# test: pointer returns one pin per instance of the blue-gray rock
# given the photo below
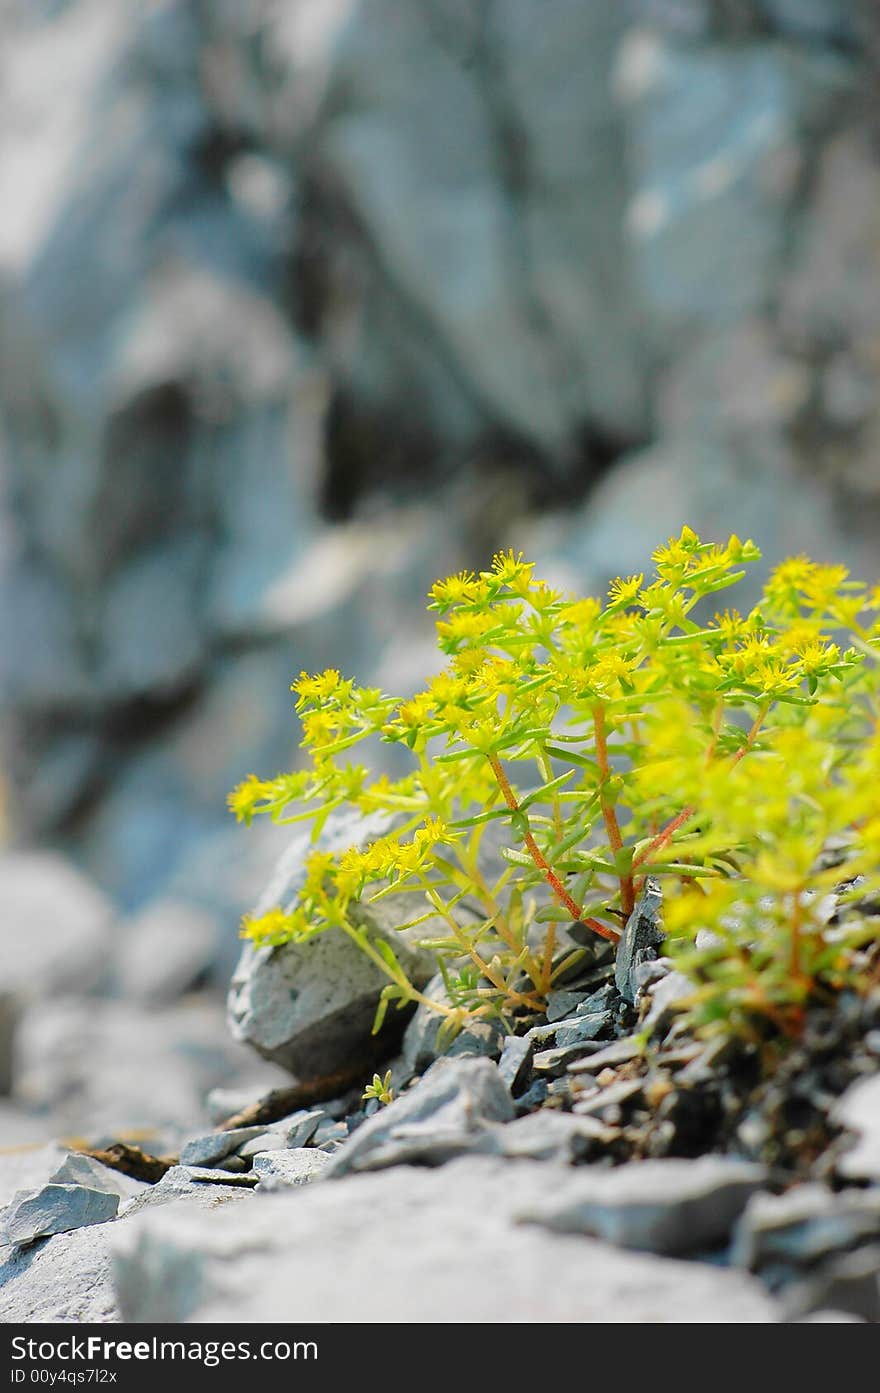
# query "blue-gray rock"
(858, 1110)
(553, 1063)
(330, 1134)
(665, 996)
(607, 1103)
(294, 1256)
(618, 1052)
(535, 1095)
(420, 1039)
(562, 1003)
(78, 1169)
(450, 1111)
(550, 1135)
(515, 1062)
(208, 1150)
(217, 1175)
(705, 122)
(662, 1206)
(849, 1283)
(70, 925)
(56, 1208)
(641, 938)
(297, 1166)
(804, 1225)
(164, 951)
(300, 1127)
(583, 1026)
(528, 293)
(600, 1000)
(265, 1141)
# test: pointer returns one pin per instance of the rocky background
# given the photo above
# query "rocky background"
(304, 303)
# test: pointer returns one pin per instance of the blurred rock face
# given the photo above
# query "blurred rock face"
(302, 305)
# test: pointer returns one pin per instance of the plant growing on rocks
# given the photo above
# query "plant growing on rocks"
(380, 1088)
(570, 747)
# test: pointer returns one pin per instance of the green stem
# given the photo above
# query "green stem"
(609, 814)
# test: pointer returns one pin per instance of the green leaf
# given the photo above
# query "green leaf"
(571, 758)
(516, 858)
(491, 815)
(385, 951)
(545, 791)
(552, 914)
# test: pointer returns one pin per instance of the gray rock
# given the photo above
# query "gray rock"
(319, 1254)
(106, 1069)
(641, 938)
(515, 1062)
(530, 295)
(218, 1175)
(859, 1111)
(164, 951)
(56, 1208)
(575, 1029)
(706, 123)
(619, 1052)
(601, 1000)
(28, 1168)
(205, 1185)
(420, 1047)
(554, 1063)
(310, 1006)
(849, 1284)
(665, 996)
(549, 1135)
(68, 1278)
(534, 1097)
(663, 1206)
(450, 1111)
(69, 926)
(265, 1141)
(583, 1025)
(648, 973)
(297, 1166)
(563, 1003)
(164, 1285)
(804, 1225)
(607, 1102)
(77, 1169)
(330, 1134)
(299, 1128)
(206, 1151)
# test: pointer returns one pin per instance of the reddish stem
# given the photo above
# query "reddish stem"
(543, 864)
(609, 816)
(663, 836)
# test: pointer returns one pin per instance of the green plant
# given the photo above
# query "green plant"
(380, 1088)
(607, 741)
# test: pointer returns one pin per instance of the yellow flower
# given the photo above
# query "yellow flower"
(319, 728)
(512, 570)
(243, 800)
(321, 686)
(269, 929)
(581, 614)
(625, 591)
(454, 590)
(417, 711)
